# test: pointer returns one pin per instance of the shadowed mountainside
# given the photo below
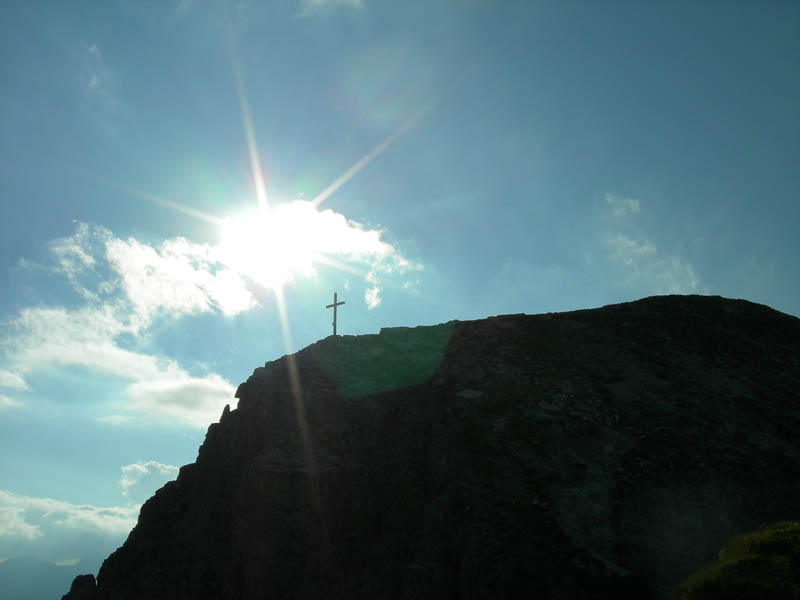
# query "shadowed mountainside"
(604, 453)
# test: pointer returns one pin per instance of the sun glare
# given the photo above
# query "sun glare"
(275, 245)
(268, 245)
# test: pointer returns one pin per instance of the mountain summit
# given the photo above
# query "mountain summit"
(604, 453)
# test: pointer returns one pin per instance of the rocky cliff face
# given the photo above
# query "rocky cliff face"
(603, 453)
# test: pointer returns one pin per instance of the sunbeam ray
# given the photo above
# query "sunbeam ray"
(361, 272)
(299, 405)
(247, 121)
(176, 206)
(370, 156)
(337, 264)
(294, 376)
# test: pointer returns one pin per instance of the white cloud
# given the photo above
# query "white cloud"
(28, 518)
(630, 252)
(12, 521)
(12, 381)
(645, 267)
(161, 389)
(44, 337)
(6, 403)
(195, 401)
(621, 207)
(179, 277)
(650, 270)
(129, 288)
(74, 256)
(372, 297)
(679, 277)
(71, 252)
(140, 480)
(292, 239)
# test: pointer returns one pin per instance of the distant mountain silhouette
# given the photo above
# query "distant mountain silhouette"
(605, 453)
(32, 579)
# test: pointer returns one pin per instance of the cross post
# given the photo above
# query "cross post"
(334, 305)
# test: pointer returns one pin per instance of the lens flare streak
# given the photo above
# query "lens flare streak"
(368, 158)
(299, 406)
(247, 121)
(176, 206)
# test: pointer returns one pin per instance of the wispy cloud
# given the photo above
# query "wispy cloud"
(644, 266)
(397, 265)
(630, 252)
(623, 206)
(12, 381)
(6, 403)
(99, 86)
(73, 258)
(28, 518)
(95, 72)
(140, 480)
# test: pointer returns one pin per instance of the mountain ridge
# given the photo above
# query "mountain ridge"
(24, 578)
(585, 454)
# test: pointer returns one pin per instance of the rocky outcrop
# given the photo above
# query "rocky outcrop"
(84, 587)
(602, 453)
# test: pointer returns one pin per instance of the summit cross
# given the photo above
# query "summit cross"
(334, 305)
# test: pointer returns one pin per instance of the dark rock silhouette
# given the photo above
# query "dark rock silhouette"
(604, 453)
(84, 587)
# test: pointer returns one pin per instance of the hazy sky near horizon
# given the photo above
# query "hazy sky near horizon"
(186, 183)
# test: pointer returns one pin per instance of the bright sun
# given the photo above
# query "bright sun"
(274, 245)
(270, 246)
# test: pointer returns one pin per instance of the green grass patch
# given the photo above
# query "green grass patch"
(762, 565)
(398, 357)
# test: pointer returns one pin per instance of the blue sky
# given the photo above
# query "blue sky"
(186, 184)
